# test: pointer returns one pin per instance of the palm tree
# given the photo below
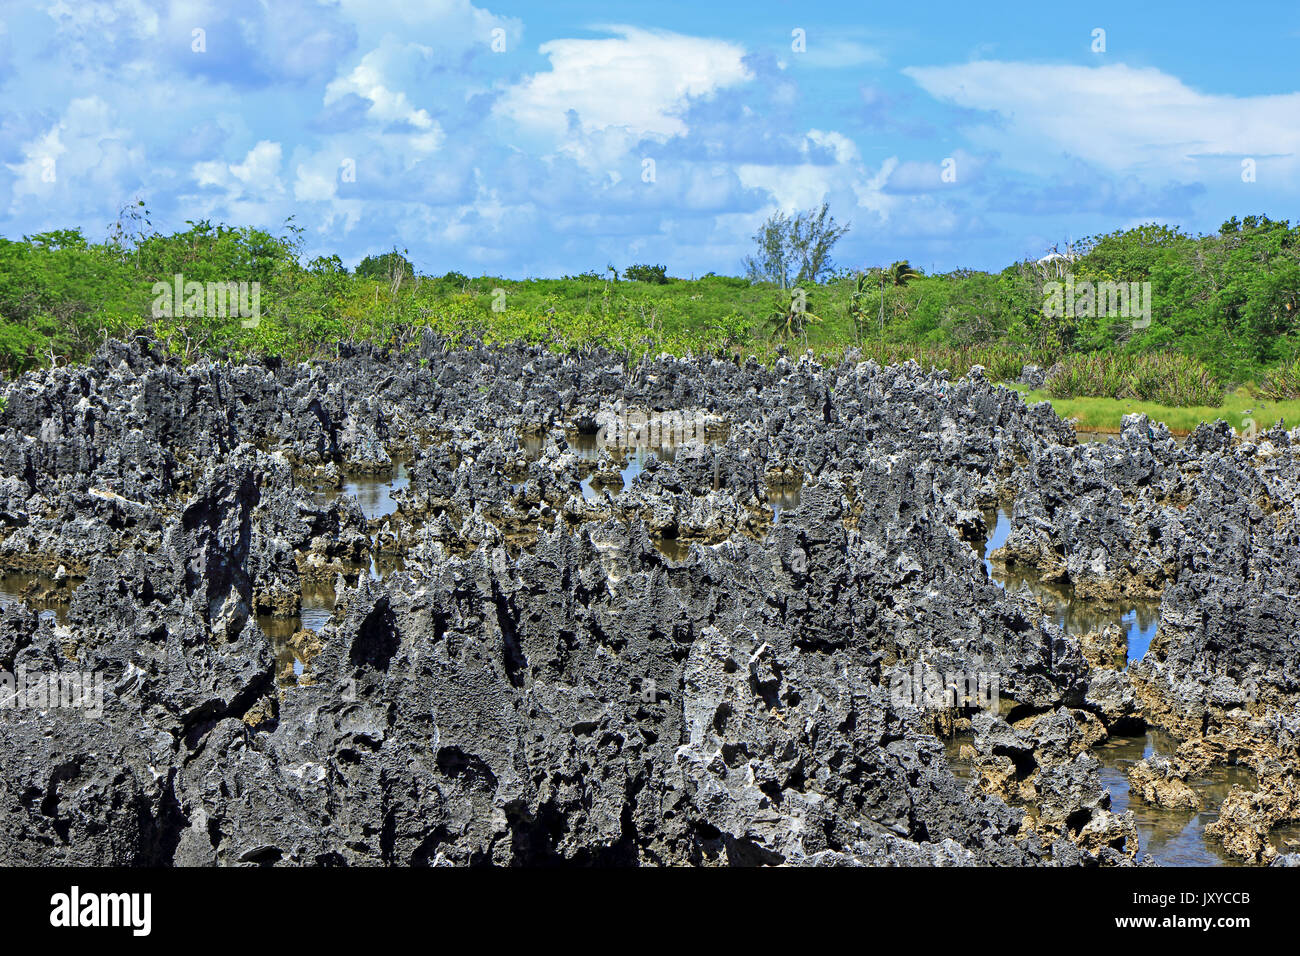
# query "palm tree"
(898, 274)
(901, 273)
(791, 317)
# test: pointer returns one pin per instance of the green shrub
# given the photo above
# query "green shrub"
(1225, 308)
(1167, 378)
(645, 273)
(1281, 383)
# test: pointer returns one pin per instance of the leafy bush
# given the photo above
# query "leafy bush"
(1166, 378)
(1225, 307)
(1281, 383)
(646, 273)
(386, 267)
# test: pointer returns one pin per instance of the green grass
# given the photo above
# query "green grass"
(1105, 414)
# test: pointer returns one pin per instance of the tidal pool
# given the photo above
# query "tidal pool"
(1138, 618)
(318, 601)
(1171, 837)
(15, 586)
(375, 493)
(587, 447)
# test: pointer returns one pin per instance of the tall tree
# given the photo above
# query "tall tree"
(772, 264)
(797, 247)
(812, 234)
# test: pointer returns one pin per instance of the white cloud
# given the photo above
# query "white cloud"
(796, 186)
(1118, 117)
(870, 191)
(837, 144)
(638, 80)
(258, 176)
(84, 161)
(260, 169)
(388, 105)
(316, 179)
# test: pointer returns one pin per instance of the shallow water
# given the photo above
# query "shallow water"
(779, 500)
(13, 586)
(1171, 837)
(673, 549)
(317, 606)
(633, 466)
(586, 446)
(318, 601)
(375, 493)
(1074, 615)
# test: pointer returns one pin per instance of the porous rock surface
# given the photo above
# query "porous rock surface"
(540, 683)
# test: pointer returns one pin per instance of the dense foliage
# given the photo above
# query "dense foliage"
(1223, 307)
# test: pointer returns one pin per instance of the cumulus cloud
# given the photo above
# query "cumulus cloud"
(791, 187)
(83, 161)
(837, 145)
(436, 127)
(637, 80)
(258, 173)
(385, 105)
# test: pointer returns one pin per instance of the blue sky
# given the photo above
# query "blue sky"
(539, 139)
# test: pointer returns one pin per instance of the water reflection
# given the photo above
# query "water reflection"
(1138, 618)
(280, 631)
(674, 549)
(39, 592)
(374, 493)
(318, 602)
(633, 466)
(782, 499)
(1084, 436)
(1172, 837)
